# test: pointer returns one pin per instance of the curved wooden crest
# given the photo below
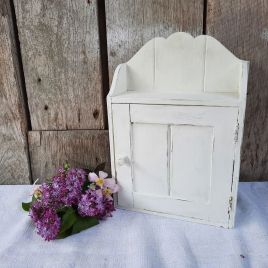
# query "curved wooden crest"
(184, 63)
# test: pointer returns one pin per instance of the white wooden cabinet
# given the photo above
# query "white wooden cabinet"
(176, 112)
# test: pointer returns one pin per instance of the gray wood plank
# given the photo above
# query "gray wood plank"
(14, 165)
(242, 26)
(60, 51)
(81, 148)
(131, 23)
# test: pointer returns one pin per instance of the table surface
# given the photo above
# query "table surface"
(132, 239)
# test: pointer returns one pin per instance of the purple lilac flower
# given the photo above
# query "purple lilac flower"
(36, 211)
(58, 189)
(77, 174)
(65, 189)
(74, 181)
(49, 225)
(48, 197)
(93, 203)
(61, 170)
(108, 208)
(46, 220)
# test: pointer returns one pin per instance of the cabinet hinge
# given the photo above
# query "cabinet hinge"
(236, 133)
(230, 204)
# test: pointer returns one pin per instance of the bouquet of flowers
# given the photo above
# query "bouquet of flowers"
(72, 201)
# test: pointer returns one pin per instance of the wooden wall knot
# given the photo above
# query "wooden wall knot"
(96, 114)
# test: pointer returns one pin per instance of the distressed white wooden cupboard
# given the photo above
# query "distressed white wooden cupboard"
(176, 114)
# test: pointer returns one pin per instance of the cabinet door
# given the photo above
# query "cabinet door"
(175, 160)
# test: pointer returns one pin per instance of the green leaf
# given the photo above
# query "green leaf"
(83, 223)
(62, 210)
(85, 185)
(68, 219)
(33, 198)
(64, 234)
(99, 167)
(26, 206)
(66, 166)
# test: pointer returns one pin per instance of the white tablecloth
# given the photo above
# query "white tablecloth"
(131, 239)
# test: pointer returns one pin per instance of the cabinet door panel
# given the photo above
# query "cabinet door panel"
(191, 162)
(181, 160)
(146, 177)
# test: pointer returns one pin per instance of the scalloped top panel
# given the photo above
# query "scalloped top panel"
(184, 63)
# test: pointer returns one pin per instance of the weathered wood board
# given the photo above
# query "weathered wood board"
(242, 26)
(81, 148)
(131, 23)
(14, 165)
(60, 51)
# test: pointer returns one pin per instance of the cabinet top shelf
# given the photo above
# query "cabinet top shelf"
(181, 69)
(179, 98)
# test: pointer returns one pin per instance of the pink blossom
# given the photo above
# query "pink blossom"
(103, 182)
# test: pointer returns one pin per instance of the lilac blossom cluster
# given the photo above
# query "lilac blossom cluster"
(90, 195)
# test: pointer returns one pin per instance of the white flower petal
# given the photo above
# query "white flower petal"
(115, 189)
(92, 176)
(111, 184)
(103, 174)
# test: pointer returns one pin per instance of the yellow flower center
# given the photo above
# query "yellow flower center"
(107, 191)
(37, 194)
(99, 182)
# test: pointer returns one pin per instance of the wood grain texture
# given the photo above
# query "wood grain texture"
(14, 166)
(60, 51)
(242, 26)
(81, 148)
(131, 23)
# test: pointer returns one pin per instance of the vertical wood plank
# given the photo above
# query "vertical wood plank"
(242, 26)
(103, 56)
(60, 52)
(14, 165)
(81, 148)
(131, 23)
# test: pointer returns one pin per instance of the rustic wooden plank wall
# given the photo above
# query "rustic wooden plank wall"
(60, 52)
(242, 26)
(82, 148)
(61, 57)
(14, 164)
(131, 23)
(67, 63)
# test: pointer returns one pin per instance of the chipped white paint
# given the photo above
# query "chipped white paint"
(176, 112)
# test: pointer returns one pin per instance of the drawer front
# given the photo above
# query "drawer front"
(176, 160)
